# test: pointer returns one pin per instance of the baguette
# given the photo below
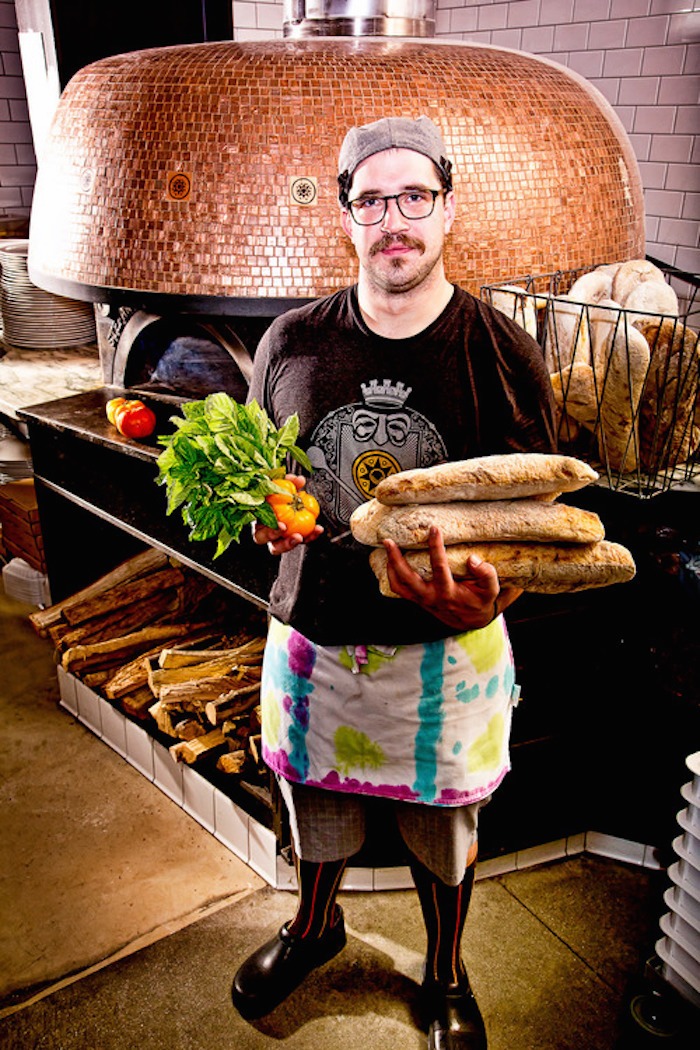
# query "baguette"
(541, 568)
(618, 435)
(524, 519)
(509, 476)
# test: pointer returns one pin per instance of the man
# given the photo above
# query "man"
(362, 695)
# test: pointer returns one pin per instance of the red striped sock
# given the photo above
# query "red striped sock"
(444, 911)
(318, 889)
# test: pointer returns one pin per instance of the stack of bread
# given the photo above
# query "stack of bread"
(623, 365)
(504, 509)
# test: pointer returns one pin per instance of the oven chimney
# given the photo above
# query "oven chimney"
(402, 18)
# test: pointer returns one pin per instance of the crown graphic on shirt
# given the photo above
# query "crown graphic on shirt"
(387, 394)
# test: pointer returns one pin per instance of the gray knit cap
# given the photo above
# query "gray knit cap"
(362, 142)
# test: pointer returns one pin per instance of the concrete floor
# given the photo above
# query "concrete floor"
(122, 921)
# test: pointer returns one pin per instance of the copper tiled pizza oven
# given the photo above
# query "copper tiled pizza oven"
(203, 177)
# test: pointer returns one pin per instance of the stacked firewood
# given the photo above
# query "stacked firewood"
(168, 647)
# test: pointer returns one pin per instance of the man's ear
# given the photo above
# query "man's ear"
(346, 222)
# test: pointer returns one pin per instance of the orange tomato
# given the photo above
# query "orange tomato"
(111, 407)
(295, 508)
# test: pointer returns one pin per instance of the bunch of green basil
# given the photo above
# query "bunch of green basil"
(220, 464)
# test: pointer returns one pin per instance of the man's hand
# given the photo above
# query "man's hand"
(467, 603)
(278, 540)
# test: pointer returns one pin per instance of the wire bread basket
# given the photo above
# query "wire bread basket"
(626, 379)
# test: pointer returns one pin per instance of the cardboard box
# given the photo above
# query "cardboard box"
(21, 528)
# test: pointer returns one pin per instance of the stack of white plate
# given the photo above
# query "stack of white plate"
(32, 317)
(25, 584)
(679, 949)
(15, 458)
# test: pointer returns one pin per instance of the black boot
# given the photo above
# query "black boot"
(313, 937)
(452, 1016)
(450, 1011)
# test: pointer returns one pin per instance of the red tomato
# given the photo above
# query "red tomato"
(133, 419)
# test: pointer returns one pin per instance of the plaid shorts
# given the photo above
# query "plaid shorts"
(330, 825)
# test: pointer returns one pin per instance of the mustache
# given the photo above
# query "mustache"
(390, 240)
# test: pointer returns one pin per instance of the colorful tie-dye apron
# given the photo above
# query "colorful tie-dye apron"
(424, 723)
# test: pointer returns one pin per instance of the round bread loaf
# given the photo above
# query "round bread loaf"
(652, 297)
(592, 287)
(632, 273)
(513, 301)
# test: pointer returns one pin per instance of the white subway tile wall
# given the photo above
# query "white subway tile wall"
(642, 55)
(17, 160)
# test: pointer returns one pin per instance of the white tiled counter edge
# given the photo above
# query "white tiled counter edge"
(255, 844)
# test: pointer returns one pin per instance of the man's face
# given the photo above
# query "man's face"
(397, 254)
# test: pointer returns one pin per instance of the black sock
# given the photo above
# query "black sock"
(444, 910)
(318, 888)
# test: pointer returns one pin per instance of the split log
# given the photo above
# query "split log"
(96, 680)
(162, 718)
(223, 667)
(113, 651)
(137, 703)
(188, 728)
(175, 723)
(255, 745)
(228, 706)
(139, 565)
(129, 593)
(121, 621)
(191, 751)
(133, 674)
(194, 696)
(233, 762)
(172, 658)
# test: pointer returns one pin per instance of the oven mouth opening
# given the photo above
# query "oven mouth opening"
(185, 356)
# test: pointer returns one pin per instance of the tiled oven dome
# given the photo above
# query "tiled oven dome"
(209, 170)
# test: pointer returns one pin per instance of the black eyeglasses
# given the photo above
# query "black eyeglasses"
(413, 204)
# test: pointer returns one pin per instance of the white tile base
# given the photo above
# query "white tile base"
(255, 844)
(66, 687)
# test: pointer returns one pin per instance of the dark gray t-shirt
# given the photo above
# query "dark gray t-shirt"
(473, 383)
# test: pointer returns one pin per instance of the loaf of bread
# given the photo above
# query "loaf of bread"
(631, 274)
(652, 297)
(566, 333)
(592, 287)
(621, 390)
(604, 318)
(668, 433)
(513, 301)
(536, 567)
(576, 397)
(508, 476)
(468, 522)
